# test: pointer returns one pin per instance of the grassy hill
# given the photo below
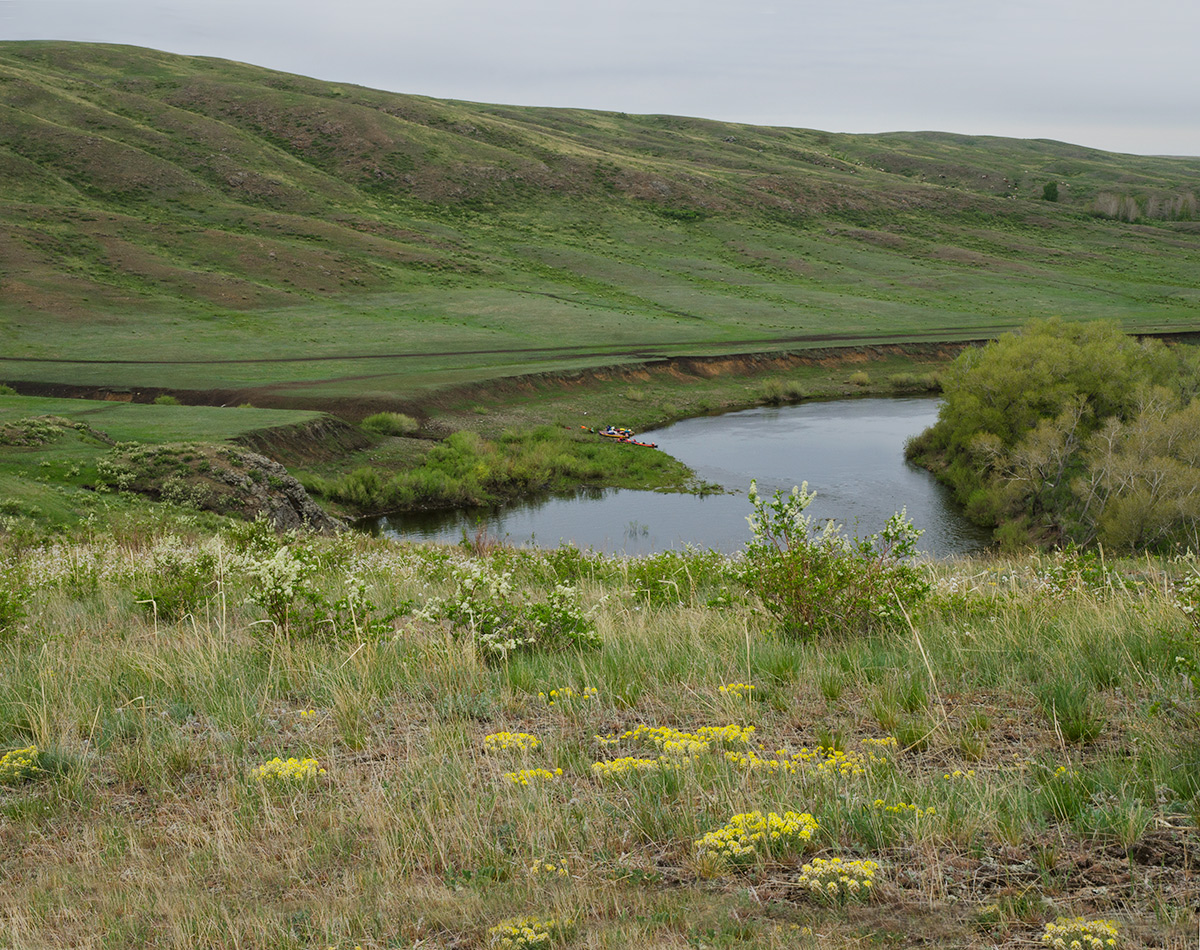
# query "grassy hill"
(195, 224)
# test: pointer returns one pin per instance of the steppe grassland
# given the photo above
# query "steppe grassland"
(1026, 751)
(703, 288)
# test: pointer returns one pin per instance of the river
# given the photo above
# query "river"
(851, 453)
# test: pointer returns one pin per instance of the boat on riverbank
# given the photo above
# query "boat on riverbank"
(619, 434)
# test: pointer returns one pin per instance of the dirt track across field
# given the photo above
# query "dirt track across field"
(633, 350)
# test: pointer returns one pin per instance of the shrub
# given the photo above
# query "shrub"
(178, 579)
(165, 400)
(818, 582)
(6, 390)
(485, 607)
(391, 423)
(287, 588)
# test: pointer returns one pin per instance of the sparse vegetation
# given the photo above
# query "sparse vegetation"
(559, 790)
(391, 423)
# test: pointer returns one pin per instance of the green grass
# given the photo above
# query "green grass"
(138, 422)
(175, 714)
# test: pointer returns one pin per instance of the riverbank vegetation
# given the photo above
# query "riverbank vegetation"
(467, 470)
(1073, 433)
(341, 728)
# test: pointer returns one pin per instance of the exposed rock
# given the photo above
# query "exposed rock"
(226, 479)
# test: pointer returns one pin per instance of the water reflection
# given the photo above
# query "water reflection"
(851, 453)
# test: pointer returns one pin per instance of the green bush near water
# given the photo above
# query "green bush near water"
(820, 582)
(1073, 433)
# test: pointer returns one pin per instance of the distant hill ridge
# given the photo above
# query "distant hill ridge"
(204, 189)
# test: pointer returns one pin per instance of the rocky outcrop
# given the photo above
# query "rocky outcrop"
(226, 479)
(280, 497)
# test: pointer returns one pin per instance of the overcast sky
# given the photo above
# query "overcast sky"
(1112, 74)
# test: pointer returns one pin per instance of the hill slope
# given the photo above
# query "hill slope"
(195, 212)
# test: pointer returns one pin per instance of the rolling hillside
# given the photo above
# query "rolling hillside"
(197, 224)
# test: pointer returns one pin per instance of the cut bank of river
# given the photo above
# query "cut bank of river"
(851, 453)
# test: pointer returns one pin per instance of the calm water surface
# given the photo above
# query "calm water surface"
(851, 453)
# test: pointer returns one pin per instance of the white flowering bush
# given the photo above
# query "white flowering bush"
(176, 577)
(278, 580)
(1187, 598)
(818, 581)
(284, 585)
(486, 607)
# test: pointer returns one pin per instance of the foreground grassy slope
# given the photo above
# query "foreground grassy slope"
(1045, 760)
(168, 220)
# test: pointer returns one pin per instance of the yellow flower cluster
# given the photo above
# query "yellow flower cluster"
(18, 765)
(823, 761)
(746, 834)
(293, 770)
(565, 694)
(549, 868)
(737, 689)
(308, 714)
(887, 742)
(523, 932)
(959, 773)
(526, 777)
(837, 880)
(756, 763)
(1076, 933)
(903, 808)
(681, 743)
(510, 741)
(615, 768)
